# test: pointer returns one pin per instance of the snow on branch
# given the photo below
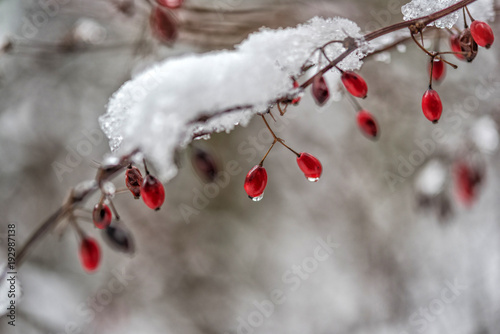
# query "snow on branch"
(157, 111)
(481, 10)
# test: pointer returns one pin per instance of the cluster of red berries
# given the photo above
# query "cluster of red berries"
(464, 46)
(256, 179)
(357, 87)
(163, 21)
(153, 194)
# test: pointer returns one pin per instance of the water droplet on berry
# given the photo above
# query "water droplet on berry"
(90, 254)
(101, 216)
(354, 84)
(258, 198)
(482, 33)
(255, 183)
(431, 105)
(310, 166)
(153, 192)
(320, 90)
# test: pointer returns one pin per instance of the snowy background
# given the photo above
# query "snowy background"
(406, 257)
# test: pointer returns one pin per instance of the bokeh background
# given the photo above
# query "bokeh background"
(405, 257)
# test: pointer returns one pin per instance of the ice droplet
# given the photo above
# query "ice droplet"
(258, 198)
(313, 179)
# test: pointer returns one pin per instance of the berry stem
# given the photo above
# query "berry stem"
(468, 13)
(465, 18)
(432, 70)
(267, 153)
(113, 208)
(355, 104)
(145, 166)
(269, 128)
(276, 138)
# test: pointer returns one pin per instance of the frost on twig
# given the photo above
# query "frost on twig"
(169, 104)
(481, 10)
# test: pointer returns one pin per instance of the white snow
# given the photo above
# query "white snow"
(481, 10)
(431, 179)
(156, 110)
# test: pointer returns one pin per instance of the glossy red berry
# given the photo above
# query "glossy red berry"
(171, 4)
(133, 181)
(431, 105)
(298, 98)
(101, 215)
(153, 193)
(466, 180)
(255, 183)
(310, 166)
(90, 254)
(482, 33)
(354, 84)
(438, 69)
(163, 25)
(455, 46)
(367, 124)
(320, 90)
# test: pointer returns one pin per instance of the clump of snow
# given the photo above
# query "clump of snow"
(158, 110)
(481, 10)
(485, 135)
(431, 179)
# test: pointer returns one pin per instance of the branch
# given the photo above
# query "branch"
(79, 196)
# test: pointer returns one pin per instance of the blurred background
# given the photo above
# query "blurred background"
(401, 235)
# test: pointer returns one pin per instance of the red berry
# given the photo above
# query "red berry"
(255, 183)
(467, 180)
(101, 216)
(310, 166)
(133, 181)
(438, 70)
(431, 105)
(482, 33)
(354, 84)
(298, 98)
(171, 4)
(367, 124)
(320, 90)
(163, 25)
(153, 193)
(90, 254)
(455, 46)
